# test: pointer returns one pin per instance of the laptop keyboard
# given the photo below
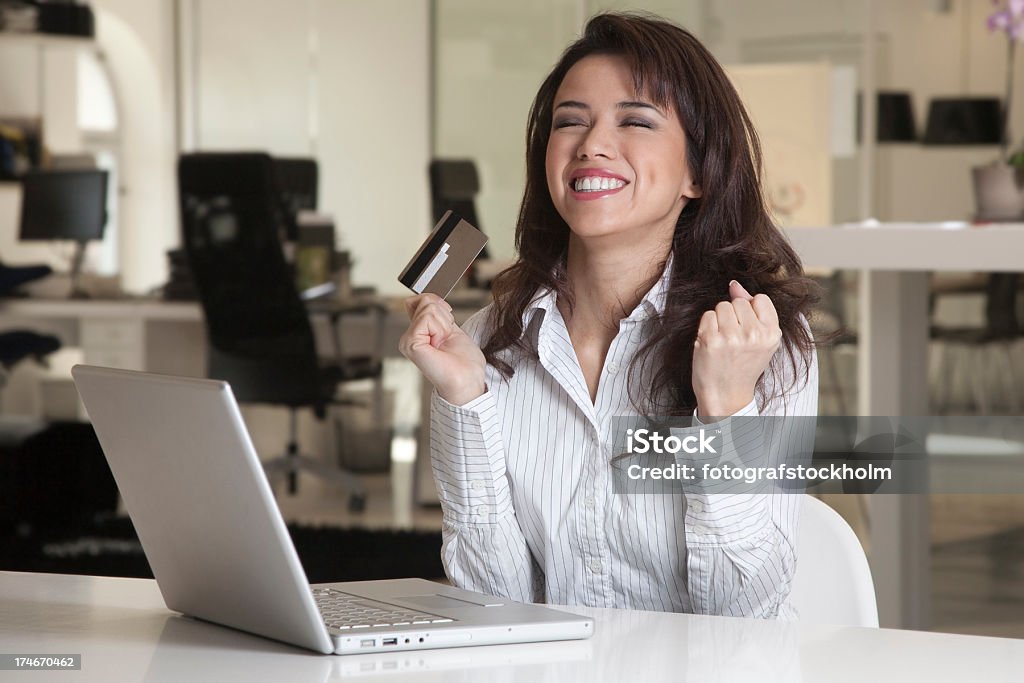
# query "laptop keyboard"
(344, 612)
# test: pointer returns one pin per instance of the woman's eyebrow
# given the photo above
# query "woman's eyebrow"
(637, 104)
(572, 104)
(628, 104)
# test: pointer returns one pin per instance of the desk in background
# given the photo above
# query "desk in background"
(169, 337)
(894, 260)
(124, 633)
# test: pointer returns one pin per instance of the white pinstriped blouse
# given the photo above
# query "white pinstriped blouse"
(524, 479)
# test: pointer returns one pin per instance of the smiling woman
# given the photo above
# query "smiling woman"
(650, 280)
(604, 142)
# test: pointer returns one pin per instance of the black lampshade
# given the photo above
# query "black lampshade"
(895, 118)
(963, 121)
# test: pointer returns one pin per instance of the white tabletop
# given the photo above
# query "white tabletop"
(952, 245)
(123, 632)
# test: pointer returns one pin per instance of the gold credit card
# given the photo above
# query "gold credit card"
(444, 257)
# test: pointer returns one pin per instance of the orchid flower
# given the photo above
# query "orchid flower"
(1010, 19)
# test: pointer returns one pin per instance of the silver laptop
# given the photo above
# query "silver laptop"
(219, 549)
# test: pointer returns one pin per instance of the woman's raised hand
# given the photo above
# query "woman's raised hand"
(735, 343)
(447, 356)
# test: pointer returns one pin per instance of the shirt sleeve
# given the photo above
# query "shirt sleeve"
(483, 547)
(740, 558)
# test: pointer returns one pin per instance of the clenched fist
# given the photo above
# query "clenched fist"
(447, 356)
(735, 343)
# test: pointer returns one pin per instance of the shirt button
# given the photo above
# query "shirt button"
(595, 566)
(612, 368)
(696, 506)
(588, 501)
(699, 529)
(481, 510)
(476, 484)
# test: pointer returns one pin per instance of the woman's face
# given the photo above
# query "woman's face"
(616, 163)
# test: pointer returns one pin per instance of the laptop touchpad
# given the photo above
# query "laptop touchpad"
(447, 602)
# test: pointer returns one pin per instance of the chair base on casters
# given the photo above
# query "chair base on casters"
(293, 462)
(289, 466)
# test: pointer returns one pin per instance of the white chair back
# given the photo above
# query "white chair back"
(833, 580)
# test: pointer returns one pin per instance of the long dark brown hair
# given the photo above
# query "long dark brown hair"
(726, 234)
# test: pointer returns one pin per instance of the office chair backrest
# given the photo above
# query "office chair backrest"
(833, 580)
(1001, 306)
(454, 184)
(260, 338)
(298, 183)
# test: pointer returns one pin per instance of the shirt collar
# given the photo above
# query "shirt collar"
(652, 304)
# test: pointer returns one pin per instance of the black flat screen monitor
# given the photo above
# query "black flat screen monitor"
(64, 205)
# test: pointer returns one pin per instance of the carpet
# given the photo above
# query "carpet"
(110, 547)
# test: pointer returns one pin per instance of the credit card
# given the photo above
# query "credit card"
(444, 257)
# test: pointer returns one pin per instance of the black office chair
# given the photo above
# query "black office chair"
(297, 182)
(259, 335)
(19, 345)
(13, 277)
(454, 184)
(981, 346)
(831, 322)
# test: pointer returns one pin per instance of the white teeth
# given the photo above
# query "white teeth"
(597, 183)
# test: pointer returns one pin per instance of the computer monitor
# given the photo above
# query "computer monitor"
(296, 181)
(65, 205)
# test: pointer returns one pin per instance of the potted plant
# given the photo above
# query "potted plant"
(999, 187)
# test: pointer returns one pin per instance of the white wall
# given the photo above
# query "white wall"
(346, 82)
(253, 70)
(138, 39)
(374, 131)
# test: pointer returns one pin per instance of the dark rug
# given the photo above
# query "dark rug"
(110, 547)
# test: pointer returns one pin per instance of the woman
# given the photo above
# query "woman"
(650, 280)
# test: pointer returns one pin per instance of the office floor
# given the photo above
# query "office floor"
(978, 564)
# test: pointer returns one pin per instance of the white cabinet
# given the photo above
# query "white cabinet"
(114, 343)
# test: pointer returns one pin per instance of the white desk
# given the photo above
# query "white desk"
(894, 260)
(123, 632)
(134, 334)
(166, 336)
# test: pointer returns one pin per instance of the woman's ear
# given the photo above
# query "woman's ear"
(693, 191)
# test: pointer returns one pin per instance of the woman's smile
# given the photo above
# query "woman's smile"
(587, 184)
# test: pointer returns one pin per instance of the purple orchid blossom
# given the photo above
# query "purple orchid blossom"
(1009, 19)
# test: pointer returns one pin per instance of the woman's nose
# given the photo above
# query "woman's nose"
(598, 142)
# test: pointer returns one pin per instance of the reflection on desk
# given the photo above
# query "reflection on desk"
(123, 632)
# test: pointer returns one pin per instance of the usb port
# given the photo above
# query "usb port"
(367, 642)
(389, 641)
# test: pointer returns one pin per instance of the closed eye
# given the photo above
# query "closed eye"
(567, 122)
(639, 123)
